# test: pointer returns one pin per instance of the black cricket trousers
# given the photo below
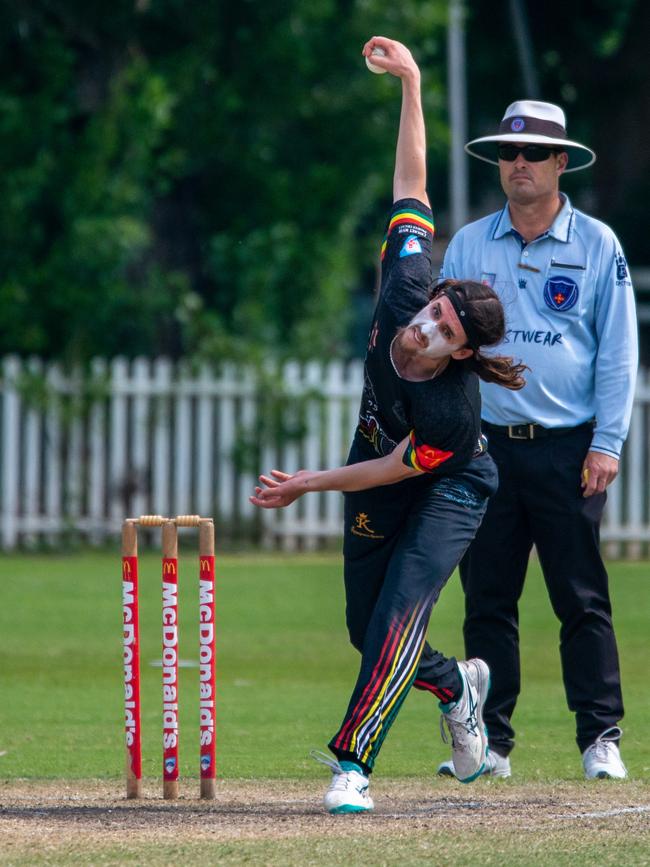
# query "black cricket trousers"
(401, 544)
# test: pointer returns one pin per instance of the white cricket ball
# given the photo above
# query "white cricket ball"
(379, 52)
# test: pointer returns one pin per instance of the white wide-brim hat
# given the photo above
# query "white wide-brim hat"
(530, 122)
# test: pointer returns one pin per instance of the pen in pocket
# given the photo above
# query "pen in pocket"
(568, 265)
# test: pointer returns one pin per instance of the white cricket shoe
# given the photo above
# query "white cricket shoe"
(464, 720)
(602, 760)
(348, 791)
(495, 766)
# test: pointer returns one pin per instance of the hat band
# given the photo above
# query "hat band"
(519, 123)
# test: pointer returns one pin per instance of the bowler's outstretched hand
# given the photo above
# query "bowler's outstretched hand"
(280, 489)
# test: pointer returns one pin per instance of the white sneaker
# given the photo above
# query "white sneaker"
(465, 721)
(348, 791)
(602, 760)
(495, 766)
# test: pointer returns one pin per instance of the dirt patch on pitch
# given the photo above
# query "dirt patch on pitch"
(42, 822)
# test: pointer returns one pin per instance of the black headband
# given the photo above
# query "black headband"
(463, 316)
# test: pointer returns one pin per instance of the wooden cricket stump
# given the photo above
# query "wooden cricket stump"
(170, 644)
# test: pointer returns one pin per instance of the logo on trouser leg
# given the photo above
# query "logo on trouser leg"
(361, 527)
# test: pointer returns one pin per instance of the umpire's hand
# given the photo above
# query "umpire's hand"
(598, 471)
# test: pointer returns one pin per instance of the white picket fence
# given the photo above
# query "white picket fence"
(80, 453)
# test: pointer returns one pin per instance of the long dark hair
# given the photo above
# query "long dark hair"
(483, 308)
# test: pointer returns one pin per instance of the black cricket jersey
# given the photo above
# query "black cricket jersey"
(441, 416)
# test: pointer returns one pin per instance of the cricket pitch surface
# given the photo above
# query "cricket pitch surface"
(276, 822)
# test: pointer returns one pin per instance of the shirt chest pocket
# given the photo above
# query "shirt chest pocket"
(565, 289)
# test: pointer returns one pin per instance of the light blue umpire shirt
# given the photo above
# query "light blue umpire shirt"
(570, 316)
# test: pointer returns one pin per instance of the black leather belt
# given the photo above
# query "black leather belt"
(531, 431)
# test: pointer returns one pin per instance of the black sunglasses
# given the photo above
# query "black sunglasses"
(531, 153)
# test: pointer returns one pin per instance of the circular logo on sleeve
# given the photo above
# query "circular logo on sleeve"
(560, 293)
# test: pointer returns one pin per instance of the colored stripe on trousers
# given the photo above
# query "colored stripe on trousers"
(373, 732)
(374, 683)
(365, 730)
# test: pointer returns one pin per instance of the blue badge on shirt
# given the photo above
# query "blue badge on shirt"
(560, 293)
(410, 246)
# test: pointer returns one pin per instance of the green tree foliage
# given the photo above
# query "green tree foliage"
(83, 118)
(590, 58)
(205, 175)
(212, 177)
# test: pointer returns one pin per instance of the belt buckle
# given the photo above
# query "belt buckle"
(529, 435)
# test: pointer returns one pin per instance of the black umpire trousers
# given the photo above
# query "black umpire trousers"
(539, 501)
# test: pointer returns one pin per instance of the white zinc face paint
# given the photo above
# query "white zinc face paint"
(437, 346)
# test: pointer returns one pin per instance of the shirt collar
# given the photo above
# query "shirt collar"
(561, 228)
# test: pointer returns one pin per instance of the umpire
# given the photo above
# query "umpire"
(564, 283)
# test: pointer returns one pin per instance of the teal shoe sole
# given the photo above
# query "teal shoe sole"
(349, 808)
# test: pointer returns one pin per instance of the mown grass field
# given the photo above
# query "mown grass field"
(284, 673)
